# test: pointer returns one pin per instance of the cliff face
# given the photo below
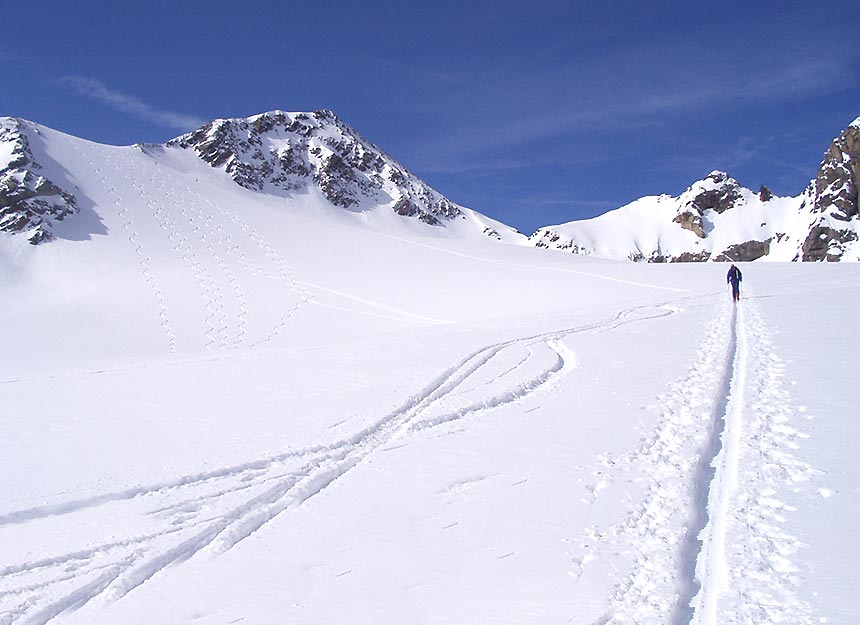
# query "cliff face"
(30, 203)
(717, 192)
(835, 200)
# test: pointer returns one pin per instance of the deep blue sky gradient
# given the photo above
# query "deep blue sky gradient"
(534, 113)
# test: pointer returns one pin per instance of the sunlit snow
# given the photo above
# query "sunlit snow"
(220, 406)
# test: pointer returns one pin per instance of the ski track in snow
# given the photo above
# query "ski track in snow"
(203, 234)
(706, 544)
(283, 272)
(209, 513)
(134, 238)
(707, 541)
(199, 237)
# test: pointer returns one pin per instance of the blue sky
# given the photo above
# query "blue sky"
(534, 113)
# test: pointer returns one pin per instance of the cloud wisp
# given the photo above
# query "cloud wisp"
(129, 104)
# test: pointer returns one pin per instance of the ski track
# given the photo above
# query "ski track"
(707, 542)
(755, 579)
(283, 273)
(134, 238)
(703, 480)
(212, 512)
(216, 334)
(182, 247)
(203, 234)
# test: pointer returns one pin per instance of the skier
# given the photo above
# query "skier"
(734, 277)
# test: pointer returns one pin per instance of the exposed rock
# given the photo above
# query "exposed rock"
(836, 199)
(286, 152)
(820, 224)
(404, 206)
(744, 252)
(716, 192)
(690, 257)
(338, 181)
(723, 195)
(838, 176)
(30, 204)
(547, 238)
(826, 243)
(691, 221)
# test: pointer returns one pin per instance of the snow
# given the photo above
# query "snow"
(646, 227)
(221, 406)
(6, 152)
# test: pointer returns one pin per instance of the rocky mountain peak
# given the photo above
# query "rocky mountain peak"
(836, 197)
(717, 191)
(30, 204)
(838, 176)
(281, 152)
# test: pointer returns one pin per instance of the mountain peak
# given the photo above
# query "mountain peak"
(822, 223)
(30, 203)
(283, 153)
(717, 191)
(836, 198)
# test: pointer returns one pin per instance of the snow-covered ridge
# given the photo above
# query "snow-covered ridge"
(718, 219)
(30, 203)
(713, 219)
(301, 159)
(280, 152)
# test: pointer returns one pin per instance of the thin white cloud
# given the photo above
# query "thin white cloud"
(129, 104)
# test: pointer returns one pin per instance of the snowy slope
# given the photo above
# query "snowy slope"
(224, 406)
(718, 219)
(203, 246)
(714, 219)
(288, 155)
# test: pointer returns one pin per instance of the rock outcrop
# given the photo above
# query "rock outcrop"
(283, 153)
(30, 203)
(717, 192)
(744, 252)
(835, 198)
(719, 220)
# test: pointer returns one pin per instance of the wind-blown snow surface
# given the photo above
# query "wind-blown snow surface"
(230, 410)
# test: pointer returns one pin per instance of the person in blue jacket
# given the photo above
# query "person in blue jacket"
(734, 277)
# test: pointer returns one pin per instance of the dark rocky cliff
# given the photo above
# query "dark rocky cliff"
(30, 203)
(284, 152)
(835, 200)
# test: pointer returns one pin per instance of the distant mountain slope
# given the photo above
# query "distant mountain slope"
(718, 219)
(280, 152)
(277, 154)
(30, 203)
(834, 234)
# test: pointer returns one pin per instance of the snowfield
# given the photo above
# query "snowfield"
(225, 407)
